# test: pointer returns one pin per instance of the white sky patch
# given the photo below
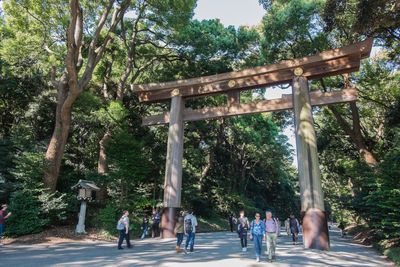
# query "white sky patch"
(230, 12)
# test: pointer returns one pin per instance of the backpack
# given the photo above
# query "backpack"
(120, 225)
(188, 225)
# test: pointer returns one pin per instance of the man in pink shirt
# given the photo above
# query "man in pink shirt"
(272, 230)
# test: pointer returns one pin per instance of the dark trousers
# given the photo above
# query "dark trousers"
(155, 229)
(190, 241)
(295, 233)
(243, 239)
(179, 239)
(123, 235)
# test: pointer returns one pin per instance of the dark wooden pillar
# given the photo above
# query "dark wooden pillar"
(315, 230)
(173, 168)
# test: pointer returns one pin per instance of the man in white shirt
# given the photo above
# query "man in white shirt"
(190, 223)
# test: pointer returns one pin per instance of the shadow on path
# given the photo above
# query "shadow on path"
(211, 249)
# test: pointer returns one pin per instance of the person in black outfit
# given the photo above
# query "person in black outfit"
(231, 221)
(243, 226)
(294, 228)
(155, 227)
(145, 226)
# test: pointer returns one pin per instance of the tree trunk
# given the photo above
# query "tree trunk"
(70, 85)
(55, 150)
(102, 165)
(355, 133)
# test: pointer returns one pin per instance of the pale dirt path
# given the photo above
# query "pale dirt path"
(212, 249)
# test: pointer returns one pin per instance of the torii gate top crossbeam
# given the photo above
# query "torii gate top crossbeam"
(333, 62)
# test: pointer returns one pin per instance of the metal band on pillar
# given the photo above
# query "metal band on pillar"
(173, 168)
(315, 230)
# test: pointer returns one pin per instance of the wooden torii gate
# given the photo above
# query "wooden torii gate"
(297, 72)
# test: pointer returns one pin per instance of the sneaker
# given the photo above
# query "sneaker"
(120, 248)
(245, 249)
(258, 259)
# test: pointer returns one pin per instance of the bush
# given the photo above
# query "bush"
(107, 218)
(27, 216)
(33, 210)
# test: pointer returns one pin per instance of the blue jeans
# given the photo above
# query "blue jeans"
(190, 241)
(179, 239)
(144, 233)
(1, 229)
(257, 244)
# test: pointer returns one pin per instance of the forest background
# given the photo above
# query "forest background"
(67, 112)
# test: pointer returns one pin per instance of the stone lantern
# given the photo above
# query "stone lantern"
(85, 191)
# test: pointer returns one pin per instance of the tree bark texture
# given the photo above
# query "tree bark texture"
(355, 134)
(70, 85)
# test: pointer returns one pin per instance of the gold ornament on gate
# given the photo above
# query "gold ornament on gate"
(298, 71)
(231, 83)
(175, 92)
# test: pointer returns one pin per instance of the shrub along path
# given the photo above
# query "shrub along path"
(212, 249)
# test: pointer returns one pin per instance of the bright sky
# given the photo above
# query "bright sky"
(237, 13)
(230, 12)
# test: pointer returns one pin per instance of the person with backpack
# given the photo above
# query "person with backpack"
(3, 216)
(155, 227)
(294, 228)
(257, 234)
(144, 227)
(189, 227)
(243, 226)
(272, 230)
(123, 227)
(179, 231)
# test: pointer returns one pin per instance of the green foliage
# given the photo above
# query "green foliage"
(393, 254)
(33, 210)
(107, 218)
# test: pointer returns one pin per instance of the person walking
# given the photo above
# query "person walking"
(243, 226)
(144, 227)
(179, 231)
(257, 234)
(123, 227)
(342, 226)
(189, 227)
(155, 226)
(272, 231)
(287, 226)
(231, 223)
(3, 216)
(294, 228)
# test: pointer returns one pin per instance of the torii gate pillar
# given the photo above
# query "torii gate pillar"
(315, 230)
(173, 168)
